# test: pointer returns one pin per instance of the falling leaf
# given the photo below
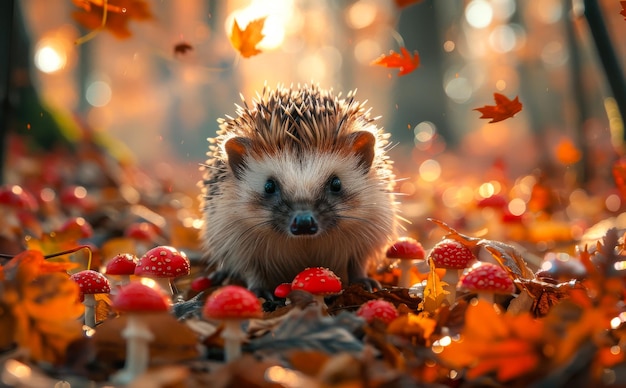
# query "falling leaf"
(434, 292)
(182, 48)
(118, 13)
(245, 41)
(566, 152)
(405, 61)
(413, 325)
(503, 109)
(623, 11)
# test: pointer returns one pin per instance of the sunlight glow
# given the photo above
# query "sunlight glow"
(50, 56)
(479, 13)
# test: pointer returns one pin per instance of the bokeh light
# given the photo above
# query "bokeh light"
(478, 13)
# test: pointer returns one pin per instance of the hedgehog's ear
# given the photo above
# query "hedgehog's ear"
(237, 148)
(363, 145)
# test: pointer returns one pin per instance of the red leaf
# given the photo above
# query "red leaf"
(405, 61)
(503, 109)
(623, 11)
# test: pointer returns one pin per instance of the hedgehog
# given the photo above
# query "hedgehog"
(298, 179)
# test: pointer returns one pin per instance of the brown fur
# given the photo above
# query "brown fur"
(300, 138)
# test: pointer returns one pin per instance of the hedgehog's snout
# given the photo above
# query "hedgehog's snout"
(303, 223)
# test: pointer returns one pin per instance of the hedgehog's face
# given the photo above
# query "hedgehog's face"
(303, 195)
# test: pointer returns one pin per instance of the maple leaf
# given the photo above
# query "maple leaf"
(182, 48)
(434, 292)
(404, 61)
(246, 40)
(503, 109)
(112, 15)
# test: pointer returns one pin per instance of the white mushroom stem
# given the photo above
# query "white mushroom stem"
(165, 285)
(233, 336)
(405, 273)
(137, 335)
(89, 301)
(451, 277)
(487, 296)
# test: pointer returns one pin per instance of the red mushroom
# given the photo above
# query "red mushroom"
(91, 282)
(454, 257)
(232, 305)
(486, 280)
(318, 281)
(200, 283)
(378, 309)
(406, 249)
(136, 299)
(14, 201)
(282, 290)
(122, 265)
(162, 264)
(144, 234)
(75, 201)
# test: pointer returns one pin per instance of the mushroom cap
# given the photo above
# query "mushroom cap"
(163, 262)
(406, 248)
(75, 196)
(16, 197)
(282, 290)
(122, 264)
(232, 302)
(451, 254)
(91, 282)
(143, 231)
(318, 281)
(200, 283)
(378, 309)
(138, 297)
(487, 277)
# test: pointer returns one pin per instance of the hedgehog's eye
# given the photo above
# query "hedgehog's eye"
(335, 184)
(270, 186)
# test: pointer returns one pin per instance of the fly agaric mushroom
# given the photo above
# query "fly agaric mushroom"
(76, 228)
(91, 282)
(453, 256)
(14, 200)
(282, 290)
(162, 264)
(406, 249)
(486, 280)
(122, 265)
(134, 300)
(144, 235)
(232, 305)
(319, 282)
(378, 309)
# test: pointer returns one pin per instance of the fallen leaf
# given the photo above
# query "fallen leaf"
(404, 61)
(246, 40)
(503, 109)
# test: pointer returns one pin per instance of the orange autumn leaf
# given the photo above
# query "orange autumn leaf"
(246, 40)
(492, 341)
(619, 176)
(434, 292)
(118, 14)
(503, 109)
(566, 152)
(404, 61)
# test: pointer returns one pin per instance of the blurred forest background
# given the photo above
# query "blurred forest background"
(156, 104)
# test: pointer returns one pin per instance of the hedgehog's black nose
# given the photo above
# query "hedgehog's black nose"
(303, 223)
